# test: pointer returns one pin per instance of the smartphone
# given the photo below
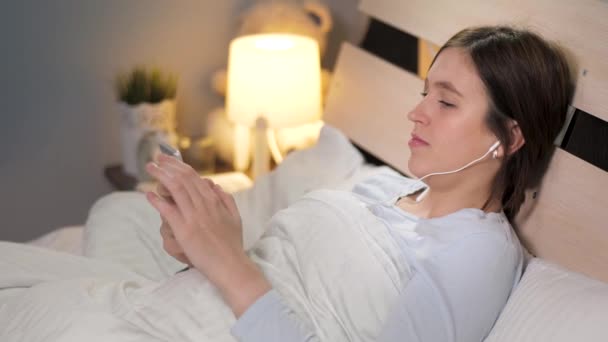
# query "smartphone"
(169, 150)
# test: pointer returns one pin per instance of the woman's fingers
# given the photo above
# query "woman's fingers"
(215, 195)
(181, 257)
(189, 177)
(170, 244)
(172, 247)
(165, 231)
(227, 199)
(211, 198)
(203, 192)
(163, 158)
(167, 210)
(175, 185)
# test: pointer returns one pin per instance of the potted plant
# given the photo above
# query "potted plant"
(147, 105)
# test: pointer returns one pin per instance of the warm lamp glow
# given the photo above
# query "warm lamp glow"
(276, 77)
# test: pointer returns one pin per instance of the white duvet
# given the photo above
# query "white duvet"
(330, 257)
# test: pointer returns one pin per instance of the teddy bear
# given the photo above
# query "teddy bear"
(310, 18)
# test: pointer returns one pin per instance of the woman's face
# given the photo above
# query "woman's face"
(449, 122)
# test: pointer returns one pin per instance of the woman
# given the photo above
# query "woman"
(494, 101)
(393, 260)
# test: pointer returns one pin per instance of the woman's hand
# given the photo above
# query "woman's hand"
(202, 219)
(206, 227)
(170, 244)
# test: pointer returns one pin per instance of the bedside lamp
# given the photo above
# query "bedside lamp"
(274, 81)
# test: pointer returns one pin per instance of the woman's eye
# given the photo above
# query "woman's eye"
(443, 103)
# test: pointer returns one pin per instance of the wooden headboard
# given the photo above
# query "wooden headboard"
(567, 221)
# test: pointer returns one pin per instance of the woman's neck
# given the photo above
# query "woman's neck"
(450, 194)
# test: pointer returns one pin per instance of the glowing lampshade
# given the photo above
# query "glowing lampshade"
(275, 77)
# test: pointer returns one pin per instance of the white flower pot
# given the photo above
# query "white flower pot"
(138, 125)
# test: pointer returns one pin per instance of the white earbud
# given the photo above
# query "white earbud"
(494, 148)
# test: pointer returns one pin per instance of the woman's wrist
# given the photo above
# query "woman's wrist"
(242, 285)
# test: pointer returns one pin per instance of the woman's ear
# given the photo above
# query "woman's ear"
(517, 138)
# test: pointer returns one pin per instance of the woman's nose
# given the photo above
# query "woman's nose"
(418, 114)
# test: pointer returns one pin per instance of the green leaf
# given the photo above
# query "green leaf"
(144, 85)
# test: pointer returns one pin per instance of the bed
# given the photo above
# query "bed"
(563, 295)
(564, 222)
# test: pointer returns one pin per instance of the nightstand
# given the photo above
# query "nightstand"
(119, 179)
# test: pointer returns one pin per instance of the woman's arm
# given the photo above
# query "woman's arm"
(204, 225)
(268, 319)
(242, 283)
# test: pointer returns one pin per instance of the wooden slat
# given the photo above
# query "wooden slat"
(369, 101)
(568, 221)
(426, 53)
(581, 26)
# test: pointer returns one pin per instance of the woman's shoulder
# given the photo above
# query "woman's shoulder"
(470, 222)
(386, 185)
(467, 227)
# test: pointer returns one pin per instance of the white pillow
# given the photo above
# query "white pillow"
(332, 163)
(554, 304)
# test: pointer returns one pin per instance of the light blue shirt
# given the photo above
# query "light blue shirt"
(455, 294)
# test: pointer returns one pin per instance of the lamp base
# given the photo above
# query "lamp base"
(242, 151)
(261, 156)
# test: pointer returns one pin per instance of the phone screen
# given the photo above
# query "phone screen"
(169, 150)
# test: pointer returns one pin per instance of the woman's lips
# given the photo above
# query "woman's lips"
(415, 141)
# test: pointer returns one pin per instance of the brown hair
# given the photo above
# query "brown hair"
(530, 81)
